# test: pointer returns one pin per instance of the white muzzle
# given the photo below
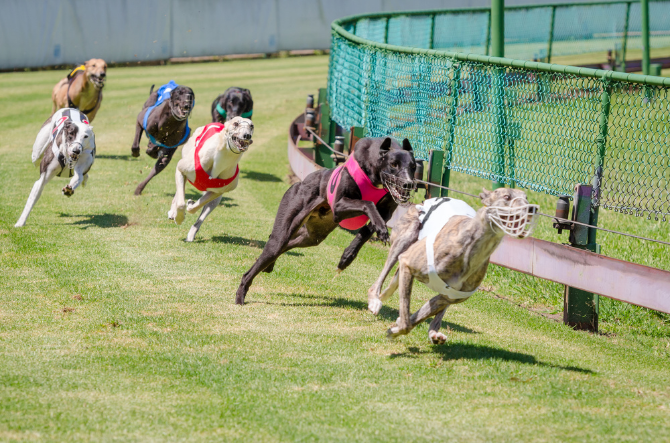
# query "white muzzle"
(517, 221)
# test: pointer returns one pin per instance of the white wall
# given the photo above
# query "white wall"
(37, 33)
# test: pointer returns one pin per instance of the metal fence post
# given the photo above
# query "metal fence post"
(435, 162)
(487, 49)
(551, 33)
(386, 30)
(601, 143)
(498, 90)
(431, 38)
(580, 308)
(644, 6)
(449, 145)
(624, 44)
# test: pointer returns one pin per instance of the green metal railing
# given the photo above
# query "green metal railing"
(545, 127)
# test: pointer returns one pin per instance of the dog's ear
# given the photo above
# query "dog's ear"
(406, 146)
(485, 196)
(385, 146)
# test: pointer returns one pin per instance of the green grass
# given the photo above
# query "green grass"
(112, 328)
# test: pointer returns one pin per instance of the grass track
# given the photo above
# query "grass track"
(114, 329)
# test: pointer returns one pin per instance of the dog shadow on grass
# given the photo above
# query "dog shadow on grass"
(386, 313)
(114, 157)
(260, 176)
(98, 220)
(241, 241)
(192, 195)
(467, 351)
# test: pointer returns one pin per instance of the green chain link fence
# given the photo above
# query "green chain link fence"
(539, 126)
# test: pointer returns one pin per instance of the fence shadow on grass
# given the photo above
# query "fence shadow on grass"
(458, 351)
(241, 241)
(99, 220)
(260, 176)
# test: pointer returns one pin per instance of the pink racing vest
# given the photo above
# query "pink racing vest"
(368, 191)
(202, 179)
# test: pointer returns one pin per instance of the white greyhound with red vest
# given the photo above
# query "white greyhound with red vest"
(209, 162)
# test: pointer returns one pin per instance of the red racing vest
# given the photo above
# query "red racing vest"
(203, 181)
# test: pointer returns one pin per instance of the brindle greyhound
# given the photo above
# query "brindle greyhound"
(166, 127)
(235, 102)
(456, 253)
(305, 217)
(82, 88)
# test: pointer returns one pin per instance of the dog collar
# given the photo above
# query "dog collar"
(223, 112)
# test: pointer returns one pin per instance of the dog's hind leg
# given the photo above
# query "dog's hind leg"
(193, 206)
(293, 209)
(35, 194)
(436, 337)
(355, 246)
(164, 157)
(209, 207)
(436, 306)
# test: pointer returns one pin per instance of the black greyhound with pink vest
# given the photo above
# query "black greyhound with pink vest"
(209, 162)
(369, 186)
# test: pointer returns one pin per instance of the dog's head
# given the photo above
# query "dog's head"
(396, 166)
(235, 101)
(182, 101)
(76, 138)
(509, 211)
(96, 71)
(239, 132)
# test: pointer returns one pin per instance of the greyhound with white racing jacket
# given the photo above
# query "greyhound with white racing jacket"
(210, 163)
(446, 245)
(65, 143)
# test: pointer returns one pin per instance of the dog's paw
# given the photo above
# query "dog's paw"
(170, 215)
(374, 306)
(383, 235)
(68, 191)
(135, 152)
(437, 338)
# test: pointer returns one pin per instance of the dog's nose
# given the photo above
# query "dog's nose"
(76, 151)
(103, 75)
(247, 136)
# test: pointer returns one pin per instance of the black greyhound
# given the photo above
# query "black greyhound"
(232, 103)
(305, 217)
(166, 127)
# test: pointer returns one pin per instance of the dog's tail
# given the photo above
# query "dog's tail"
(152, 89)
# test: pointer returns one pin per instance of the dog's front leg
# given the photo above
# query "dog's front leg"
(193, 206)
(135, 148)
(402, 326)
(209, 207)
(176, 212)
(80, 172)
(35, 194)
(347, 208)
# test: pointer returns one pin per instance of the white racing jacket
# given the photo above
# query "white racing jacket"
(48, 134)
(434, 214)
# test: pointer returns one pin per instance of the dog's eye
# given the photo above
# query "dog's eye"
(394, 164)
(86, 136)
(236, 124)
(507, 197)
